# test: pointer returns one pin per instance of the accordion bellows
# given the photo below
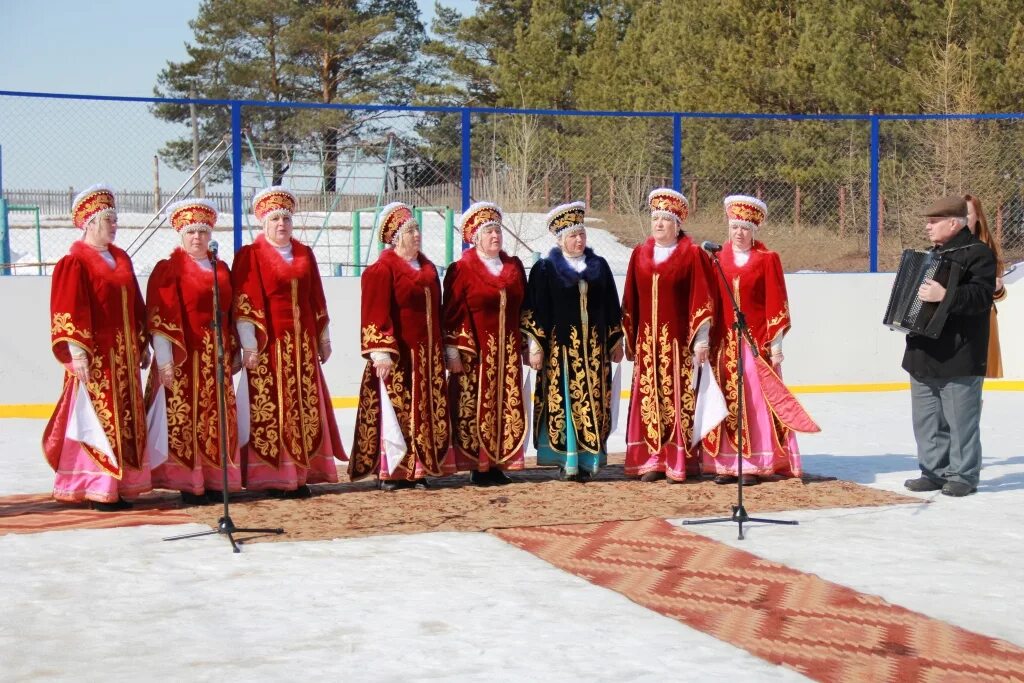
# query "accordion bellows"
(906, 312)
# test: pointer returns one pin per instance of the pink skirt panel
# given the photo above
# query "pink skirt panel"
(79, 478)
(448, 466)
(767, 456)
(198, 480)
(671, 459)
(484, 463)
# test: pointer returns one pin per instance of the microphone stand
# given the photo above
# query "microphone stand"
(743, 335)
(224, 525)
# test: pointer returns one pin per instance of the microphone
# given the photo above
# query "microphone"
(710, 247)
(213, 251)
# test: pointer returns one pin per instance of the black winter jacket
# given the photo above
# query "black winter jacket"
(962, 348)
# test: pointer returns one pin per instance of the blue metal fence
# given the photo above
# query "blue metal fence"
(711, 153)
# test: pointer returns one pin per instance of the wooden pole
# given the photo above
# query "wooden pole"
(796, 208)
(842, 211)
(156, 183)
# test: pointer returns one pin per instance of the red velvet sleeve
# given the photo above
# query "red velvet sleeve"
(776, 305)
(456, 320)
(250, 304)
(163, 309)
(319, 298)
(70, 314)
(702, 293)
(377, 332)
(630, 304)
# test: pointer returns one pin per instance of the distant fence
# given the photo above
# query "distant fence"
(844, 191)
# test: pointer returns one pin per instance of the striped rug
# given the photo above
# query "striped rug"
(823, 630)
(36, 512)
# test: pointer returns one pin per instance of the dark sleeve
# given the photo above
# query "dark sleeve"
(613, 309)
(973, 295)
(535, 320)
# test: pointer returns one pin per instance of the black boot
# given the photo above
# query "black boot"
(499, 478)
(300, 492)
(193, 498)
(478, 478)
(118, 506)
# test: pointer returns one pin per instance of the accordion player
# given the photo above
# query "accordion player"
(906, 312)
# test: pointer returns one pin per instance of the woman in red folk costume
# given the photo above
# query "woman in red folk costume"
(483, 295)
(95, 441)
(282, 324)
(667, 313)
(403, 438)
(179, 303)
(770, 412)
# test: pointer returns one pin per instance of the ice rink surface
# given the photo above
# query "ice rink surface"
(121, 605)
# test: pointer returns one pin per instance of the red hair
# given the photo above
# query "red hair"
(980, 229)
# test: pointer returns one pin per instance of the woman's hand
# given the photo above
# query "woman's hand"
(383, 368)
(80, 369)
(537, 360)
(146, 357)
(777, 359)
(167, 375)
(617, 354)
(249, 358)
(455, 365)
(325, 350)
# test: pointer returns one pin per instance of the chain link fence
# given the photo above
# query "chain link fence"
(344, 163)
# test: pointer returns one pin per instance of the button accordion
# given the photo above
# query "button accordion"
(906, 312)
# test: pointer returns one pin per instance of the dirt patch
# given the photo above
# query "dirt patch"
(536, 498)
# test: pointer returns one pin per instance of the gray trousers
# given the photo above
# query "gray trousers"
(947, 416)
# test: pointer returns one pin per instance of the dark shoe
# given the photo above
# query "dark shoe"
(652, 476)
(419, 484)
(478, 478)
(670, 480)
(583, 476)
(957, 489)
(499, 478)
(193, 498)
(389, 484)
(565, 476)
(214, 496)
(725, 479)
(750, 480)
(301, 492)
(120, 505)
(922, 485)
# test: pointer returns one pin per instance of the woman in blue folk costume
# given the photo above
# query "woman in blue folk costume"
(573, 321)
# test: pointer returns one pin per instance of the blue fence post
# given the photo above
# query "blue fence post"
(873, 213)
(5, 229)
(236, 171)
(677, 152)
(5, 238)
(467, 159)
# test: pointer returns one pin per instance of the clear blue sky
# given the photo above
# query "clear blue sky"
(103, 47)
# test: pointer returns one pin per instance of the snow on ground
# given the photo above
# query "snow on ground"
(469, 607)
(330, 235)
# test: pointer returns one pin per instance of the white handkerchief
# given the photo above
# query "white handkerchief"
(394, 446)
(156, 429)
(242, 405)
(710, 409)
(616, 396)
(528, 404)
(84, 425)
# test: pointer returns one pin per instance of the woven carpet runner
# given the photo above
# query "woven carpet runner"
(32, 513)
(823, 630)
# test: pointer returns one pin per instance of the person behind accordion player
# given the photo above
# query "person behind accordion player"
(946, 373)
